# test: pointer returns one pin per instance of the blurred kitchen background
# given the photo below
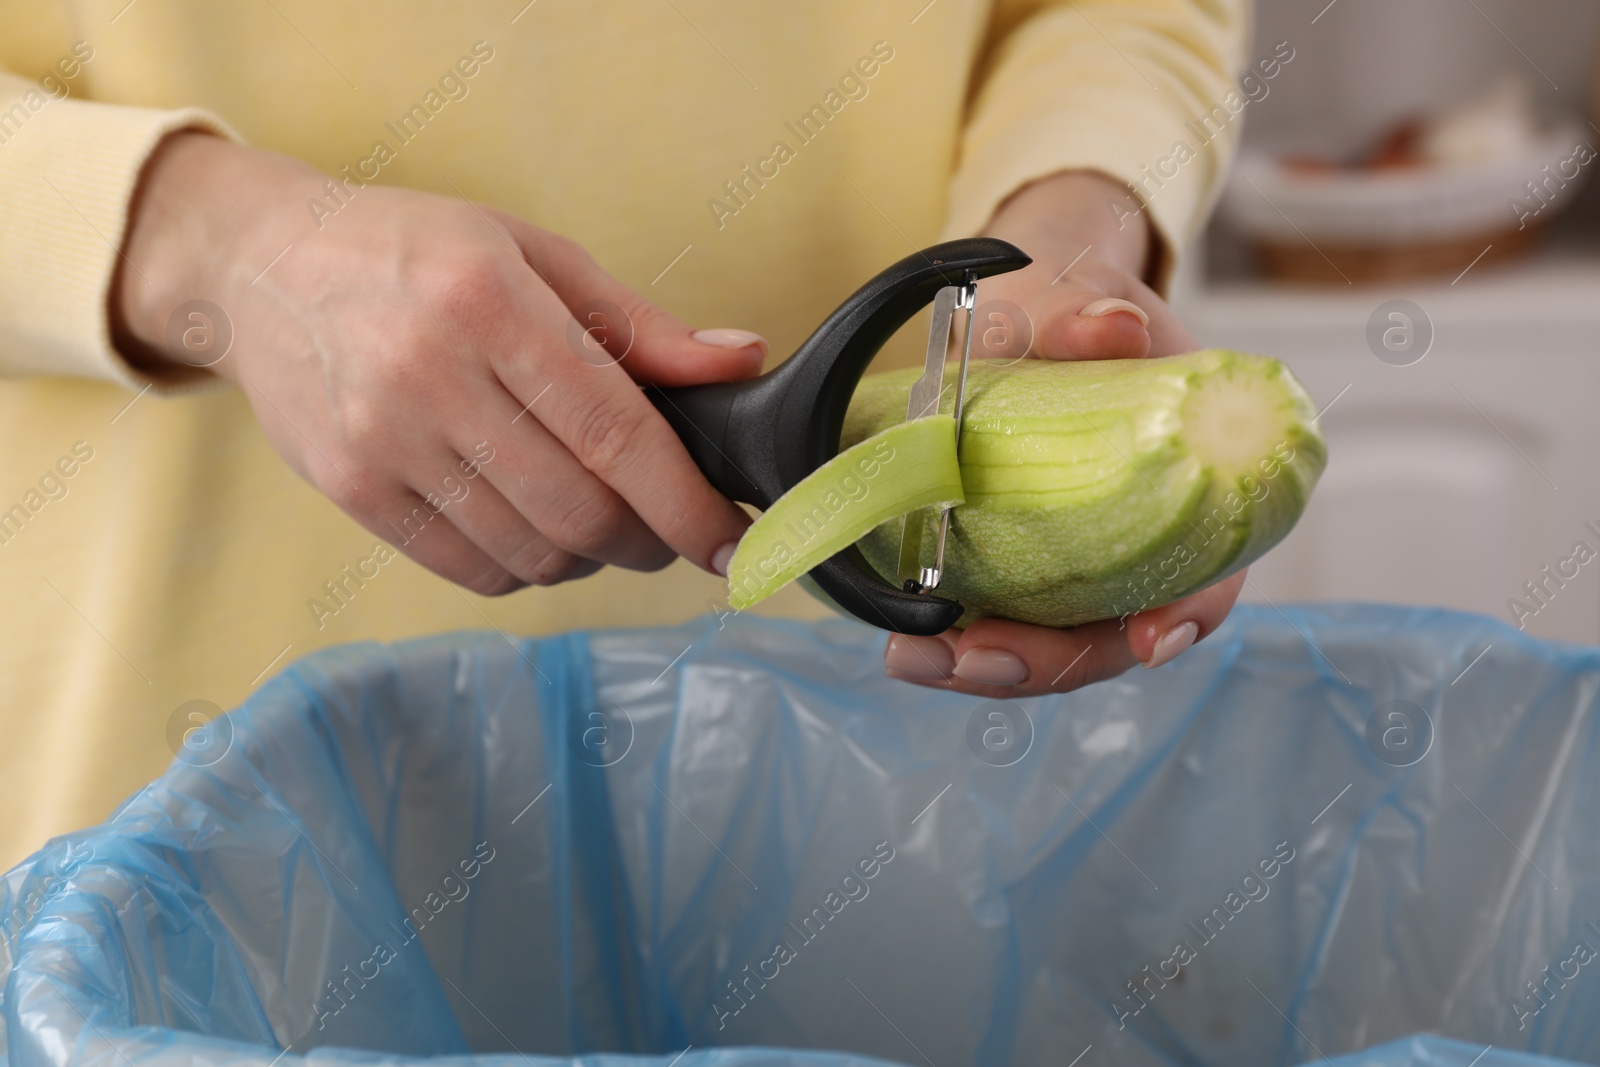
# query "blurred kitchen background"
(1369, 238)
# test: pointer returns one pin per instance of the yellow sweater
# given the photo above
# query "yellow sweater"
(155, 551)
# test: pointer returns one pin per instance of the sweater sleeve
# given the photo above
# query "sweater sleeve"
(1113, 86)
(68, 171)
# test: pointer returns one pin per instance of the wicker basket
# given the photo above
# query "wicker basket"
(1359, 225)
(1339, 262)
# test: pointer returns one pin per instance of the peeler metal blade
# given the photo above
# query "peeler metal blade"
(924, 401)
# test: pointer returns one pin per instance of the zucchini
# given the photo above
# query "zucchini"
(1096, 488)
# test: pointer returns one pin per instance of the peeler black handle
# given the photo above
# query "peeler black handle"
(754, 440)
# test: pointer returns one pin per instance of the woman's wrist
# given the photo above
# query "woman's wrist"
(201, 199)
(1070, 213)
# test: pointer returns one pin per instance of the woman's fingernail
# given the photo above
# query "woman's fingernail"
(730, 338)
(720, 558)
(991, 666)
(1174, 641)
(1111, 305)
(919, 659)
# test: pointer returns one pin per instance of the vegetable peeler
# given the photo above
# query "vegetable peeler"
(756, 439)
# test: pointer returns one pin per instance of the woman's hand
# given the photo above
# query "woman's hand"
(407, 342)
(1083, 299)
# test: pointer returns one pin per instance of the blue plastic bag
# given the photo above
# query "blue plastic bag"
(1318, 832)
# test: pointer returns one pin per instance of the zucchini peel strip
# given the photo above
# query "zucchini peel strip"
(902, 469)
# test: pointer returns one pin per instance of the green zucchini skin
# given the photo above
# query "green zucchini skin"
(1098, 488)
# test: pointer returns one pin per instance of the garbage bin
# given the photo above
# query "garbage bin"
(1317, 835)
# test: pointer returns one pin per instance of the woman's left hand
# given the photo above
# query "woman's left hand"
(1082, 298)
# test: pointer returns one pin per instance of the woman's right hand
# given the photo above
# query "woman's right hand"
(400, 340)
